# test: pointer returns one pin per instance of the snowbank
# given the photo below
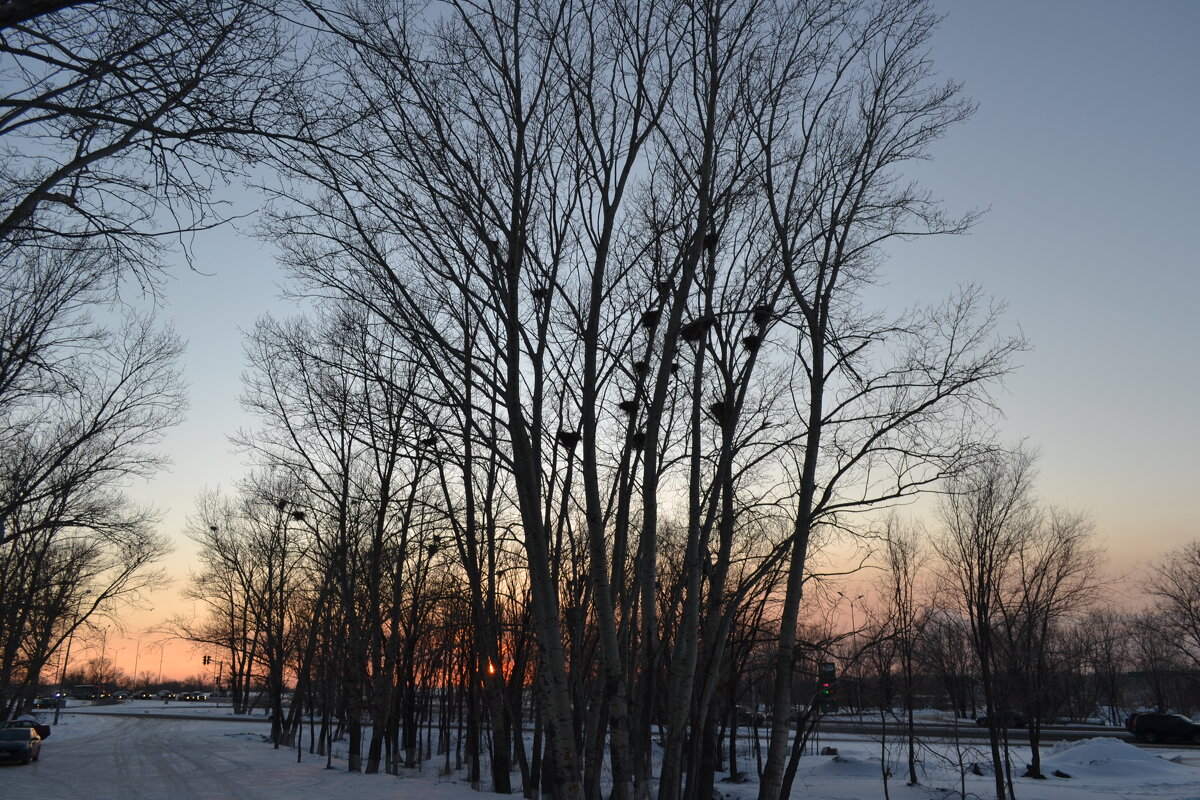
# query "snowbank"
(1113, 760)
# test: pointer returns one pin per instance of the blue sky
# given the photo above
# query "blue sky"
(1083, 153)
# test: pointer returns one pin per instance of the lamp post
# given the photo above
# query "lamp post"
(278, 591)
(62, 680)
(102, 664)
(854, 651)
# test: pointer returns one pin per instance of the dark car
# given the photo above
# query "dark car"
(1150, 727)
(748, 716)
(20, 744)
(45, 702)
(1004, 719)
(43, 731)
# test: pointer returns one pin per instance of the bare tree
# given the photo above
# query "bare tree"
(57, 580)
(1175, 582)
(224, 584)
(903, 559)
(81, 405)
(606, 233)
(1154, 654)
(886, 408)
(988, 517)
(117, 121)
(82, 408)
(1108, 653)
(1051, 581)
(467, 116)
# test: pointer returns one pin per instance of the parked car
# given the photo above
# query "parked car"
(747, 716)
(1151, 727)
(1004, 719)
(20, 744)
(43, 731)
(45, 702)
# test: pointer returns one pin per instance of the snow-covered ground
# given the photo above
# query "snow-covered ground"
(146, 755)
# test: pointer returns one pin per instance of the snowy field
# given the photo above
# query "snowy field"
(144, 755)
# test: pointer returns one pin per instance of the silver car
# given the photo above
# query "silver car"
(20, 744)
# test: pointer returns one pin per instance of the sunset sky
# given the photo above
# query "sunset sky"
(1083, 155)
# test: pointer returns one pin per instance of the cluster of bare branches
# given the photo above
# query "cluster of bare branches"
(432, 631)
(119, 121)
(82, 407)
(1014, 577)
(614, 260)
(1001, 611)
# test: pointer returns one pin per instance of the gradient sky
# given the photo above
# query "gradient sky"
(1082, 153)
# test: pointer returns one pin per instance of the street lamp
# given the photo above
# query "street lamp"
(104, 643)
(62, 681)
(137, 651)
(102, 666)
(854, 651)
(112, 672)
(277, 590)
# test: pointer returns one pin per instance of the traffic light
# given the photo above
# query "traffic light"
(207, 660)
(827, 693)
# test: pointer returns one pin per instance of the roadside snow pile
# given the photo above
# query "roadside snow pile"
(1113, 759)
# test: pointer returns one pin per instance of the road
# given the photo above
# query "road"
(1050, 735)
(149, 758)
(866, 726)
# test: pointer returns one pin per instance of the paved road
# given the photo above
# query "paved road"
(143, 758)
(970, 731)
(974, 733)
(162, 713)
